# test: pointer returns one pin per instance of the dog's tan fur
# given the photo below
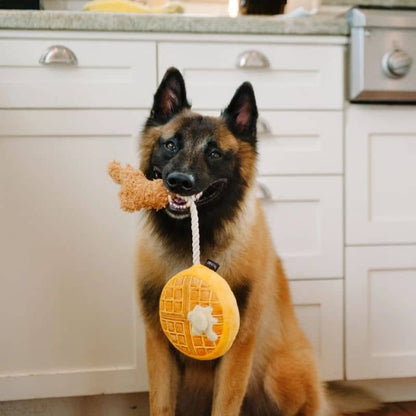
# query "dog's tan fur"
(269, 346)
(270, 357)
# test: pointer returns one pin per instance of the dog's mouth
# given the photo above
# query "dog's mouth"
(178, 207)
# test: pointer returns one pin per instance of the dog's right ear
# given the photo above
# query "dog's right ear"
(170, 98)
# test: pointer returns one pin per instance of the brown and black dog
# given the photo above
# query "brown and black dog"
(270, 369)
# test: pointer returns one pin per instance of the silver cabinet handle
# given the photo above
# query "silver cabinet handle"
(265, 193)
(58, 54)
(263, 127)
(252, 60)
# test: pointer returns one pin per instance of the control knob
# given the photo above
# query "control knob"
(396, 63)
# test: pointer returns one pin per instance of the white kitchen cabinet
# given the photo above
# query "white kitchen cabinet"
(300, 142)
(297, 142)
(108, 73)
(380, 312)
(68, 318)
(380, 275)
(380, 174)
(304, 214)
(292, 76)
(319, 309)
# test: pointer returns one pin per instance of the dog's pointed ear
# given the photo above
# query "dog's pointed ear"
(170, 98)
(241, 114)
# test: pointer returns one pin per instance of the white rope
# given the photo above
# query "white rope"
(195, 230)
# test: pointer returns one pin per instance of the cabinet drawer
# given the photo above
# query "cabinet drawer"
(380, 310)
(319, 309)
(107, 74)
(300, 142)
(297, 77)
(380, 175)
(305, 218)
(66, 303)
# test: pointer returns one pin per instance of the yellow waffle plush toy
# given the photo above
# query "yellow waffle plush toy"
(197, 309)
(198, 313)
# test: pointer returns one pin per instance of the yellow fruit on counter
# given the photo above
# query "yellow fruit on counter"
(127, 6)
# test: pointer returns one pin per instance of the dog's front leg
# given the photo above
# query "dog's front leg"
(231, 378)
(163, 374)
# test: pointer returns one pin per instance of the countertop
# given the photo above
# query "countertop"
(373, 3)
(328, 23)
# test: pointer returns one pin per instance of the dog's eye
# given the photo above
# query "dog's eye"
(215, 154)
(171, 146)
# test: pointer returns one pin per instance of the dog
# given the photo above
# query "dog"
(270, 369)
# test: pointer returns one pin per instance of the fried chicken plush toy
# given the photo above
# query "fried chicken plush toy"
(197, 308)
(137, 191)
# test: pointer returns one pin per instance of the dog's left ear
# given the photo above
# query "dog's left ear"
(241, 114)
(170, 98)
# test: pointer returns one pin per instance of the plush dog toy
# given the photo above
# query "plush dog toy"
(197, 308)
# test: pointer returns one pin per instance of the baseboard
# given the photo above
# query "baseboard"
(390, 390)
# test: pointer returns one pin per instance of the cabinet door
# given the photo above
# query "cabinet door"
(68, 318)
(380, 312)
(380, 175)
(113, 74)
(289, 76)
(305, 219)
(319, 309)
(300, 142)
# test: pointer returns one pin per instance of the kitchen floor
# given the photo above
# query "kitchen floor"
(132, 404)
(394, 409)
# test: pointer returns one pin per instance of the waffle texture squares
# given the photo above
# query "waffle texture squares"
(198, 286)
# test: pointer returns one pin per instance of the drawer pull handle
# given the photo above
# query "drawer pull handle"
(252, 60)
(263, 128)
(265, 193)
(58, 54)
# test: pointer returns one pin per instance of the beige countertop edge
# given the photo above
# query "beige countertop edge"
(325, 24)
(372, 3)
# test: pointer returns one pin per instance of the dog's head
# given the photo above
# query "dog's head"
(211, 157)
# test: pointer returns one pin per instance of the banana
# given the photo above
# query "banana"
(127, 6)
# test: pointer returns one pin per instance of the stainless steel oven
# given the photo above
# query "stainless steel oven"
(382, 55)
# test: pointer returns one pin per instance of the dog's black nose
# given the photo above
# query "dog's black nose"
(181, 183)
